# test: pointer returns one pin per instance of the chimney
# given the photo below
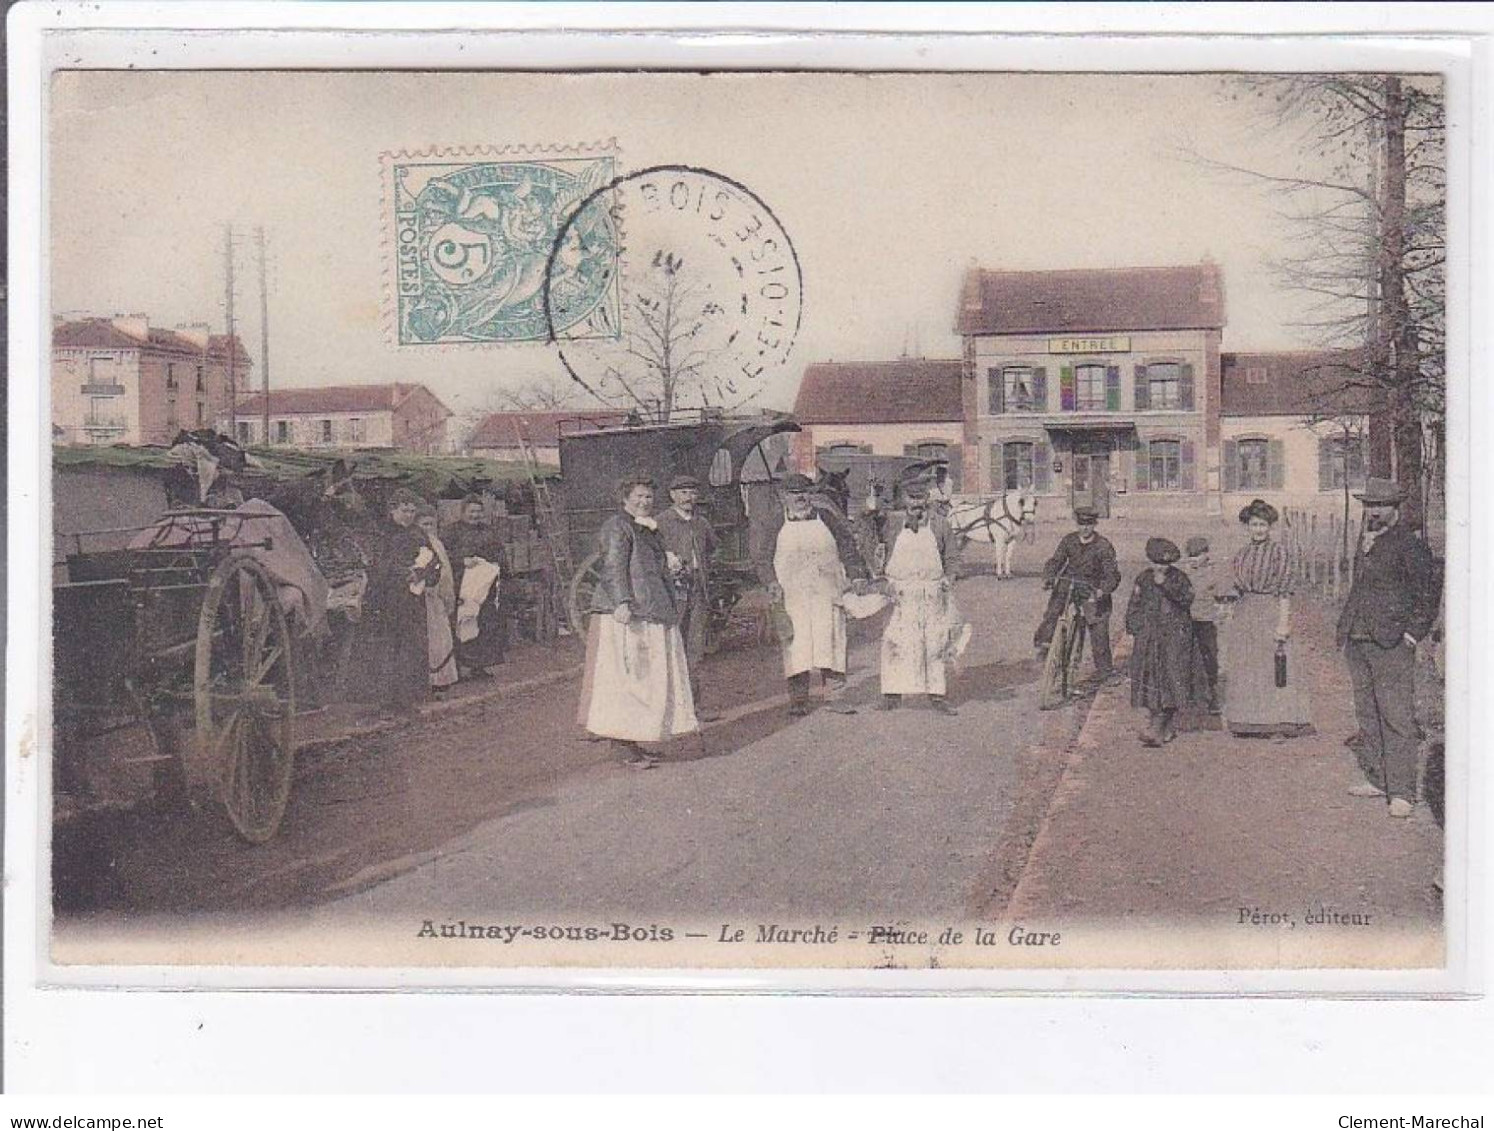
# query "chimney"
(136, 326)
(197, 333)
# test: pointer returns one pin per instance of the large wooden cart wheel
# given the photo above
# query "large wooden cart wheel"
(578, 597)
(245, 697)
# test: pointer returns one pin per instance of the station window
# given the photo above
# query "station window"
(282, 431)
(928, 449)
(1089, 388)
(326, 431)
(1165, 384)
(1253, 456)
(1016, 465)
(1165, 465)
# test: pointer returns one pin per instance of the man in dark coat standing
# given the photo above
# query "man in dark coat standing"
(1391, 607)
(688, 536)
(1083, 556)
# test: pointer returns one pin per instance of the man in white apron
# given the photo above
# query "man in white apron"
(813, 565)
(925, 631)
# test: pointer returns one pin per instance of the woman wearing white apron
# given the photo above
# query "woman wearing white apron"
(925, 631)
(810, 569)
(637, 683)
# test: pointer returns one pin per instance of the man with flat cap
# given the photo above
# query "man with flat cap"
(690, 543)
(1086, 558)
(1391, 608)
(812, 562)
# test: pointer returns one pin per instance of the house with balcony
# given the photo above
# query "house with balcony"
(408, 417)
(121, 380)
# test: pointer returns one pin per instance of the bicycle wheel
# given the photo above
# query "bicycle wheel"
(1077, 638)
(1053, 691)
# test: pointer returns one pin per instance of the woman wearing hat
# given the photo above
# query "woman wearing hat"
(393, 626)
(1258, 634)
(1162, 660)
(637, 683)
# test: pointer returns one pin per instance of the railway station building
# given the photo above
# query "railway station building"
(1104, 388)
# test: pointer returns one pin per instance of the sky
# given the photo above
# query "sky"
(890, 186)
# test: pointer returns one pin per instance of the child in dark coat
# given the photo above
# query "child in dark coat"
(1162, 660)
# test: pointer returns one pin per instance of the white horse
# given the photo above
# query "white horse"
(997, 521)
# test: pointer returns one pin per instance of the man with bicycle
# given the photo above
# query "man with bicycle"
(1084, 561)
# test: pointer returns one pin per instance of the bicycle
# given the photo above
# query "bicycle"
(1066, 649)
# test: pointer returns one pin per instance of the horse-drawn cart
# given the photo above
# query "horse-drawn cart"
(184, 632)
(729, 457)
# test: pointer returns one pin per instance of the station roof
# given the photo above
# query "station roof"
(1293, 383)
(1109, 300)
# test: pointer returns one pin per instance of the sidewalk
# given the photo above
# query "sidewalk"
(1209, 825)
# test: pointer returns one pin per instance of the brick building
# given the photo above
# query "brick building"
(1105, 388)
(405, 416)
(123, 381)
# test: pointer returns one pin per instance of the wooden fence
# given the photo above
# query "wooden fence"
(1322, 558)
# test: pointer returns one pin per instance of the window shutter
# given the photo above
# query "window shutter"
(1325, 463)
(1040, 389)
(1231, 466)
(1185, 388)
(1186, 465)
(1143, 467)
(998, 468)
(1042, 467)
(910, 449)
(996, 392)
(1276, 464)
(1112, 388)
(1143, 394)
(1067, 394)
(956, 466)
(1359, 456)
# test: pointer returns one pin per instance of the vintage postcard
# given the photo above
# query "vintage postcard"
(969, 527)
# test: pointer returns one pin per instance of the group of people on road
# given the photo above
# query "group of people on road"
(1183, 599)
(646, 638)
(430, 614)
(1209, 635)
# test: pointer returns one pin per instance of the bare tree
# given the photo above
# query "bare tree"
(663, 345)
(1365, 206)
(538, 395)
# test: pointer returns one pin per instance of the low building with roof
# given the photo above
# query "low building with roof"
(121, 380)
(911, 406)
(497, 434)
(406, 417)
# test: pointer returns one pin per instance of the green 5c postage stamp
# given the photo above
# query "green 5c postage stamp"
(473, 230)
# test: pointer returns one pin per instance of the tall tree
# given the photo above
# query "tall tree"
(1365, 203)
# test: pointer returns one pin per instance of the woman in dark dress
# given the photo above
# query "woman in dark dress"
(1163, 659)
(393, 628)
(471, 543)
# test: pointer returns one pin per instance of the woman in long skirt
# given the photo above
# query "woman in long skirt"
(440, 607)
(1163, 660)
(637, 683)
(1258, 637)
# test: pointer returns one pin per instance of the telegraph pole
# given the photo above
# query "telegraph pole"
(264, 330)
(233, 387)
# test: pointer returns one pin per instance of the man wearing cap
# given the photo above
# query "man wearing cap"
(1391, 607)
(1083, 556)
(925, 631)
(690, 543)
(813, 562)
(1204, 613)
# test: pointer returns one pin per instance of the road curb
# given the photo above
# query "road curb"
(1105, 706)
